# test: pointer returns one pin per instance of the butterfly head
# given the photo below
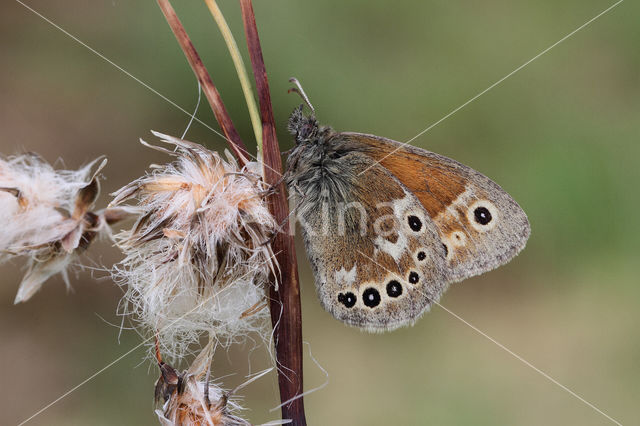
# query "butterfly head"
(303, 127)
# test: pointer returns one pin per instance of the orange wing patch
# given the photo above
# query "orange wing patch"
(435, 184)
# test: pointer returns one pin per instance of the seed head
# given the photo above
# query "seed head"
(191, 399)
(197, 259)
(48, 215)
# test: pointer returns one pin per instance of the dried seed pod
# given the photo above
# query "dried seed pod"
(49, 216)
(191, 399)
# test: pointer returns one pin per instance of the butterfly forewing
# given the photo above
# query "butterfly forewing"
(480, 225)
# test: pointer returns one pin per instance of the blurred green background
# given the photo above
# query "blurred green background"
(562, 136)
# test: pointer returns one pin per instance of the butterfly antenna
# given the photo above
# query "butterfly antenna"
(300, 91)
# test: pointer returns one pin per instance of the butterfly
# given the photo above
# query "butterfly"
(388, 226)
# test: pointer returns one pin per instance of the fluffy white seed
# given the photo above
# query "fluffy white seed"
(197, 259)
(47, 214)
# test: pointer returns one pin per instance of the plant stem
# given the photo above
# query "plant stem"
(240, 70)
(286, 314)
(219, 110)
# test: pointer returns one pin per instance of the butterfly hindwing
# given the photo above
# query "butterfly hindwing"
(375, 253)
(480, 225)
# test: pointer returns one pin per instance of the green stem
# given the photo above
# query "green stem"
(240, 70)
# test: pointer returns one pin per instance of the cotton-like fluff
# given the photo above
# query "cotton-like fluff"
(198, 258)
(47, 216)
(191, 399)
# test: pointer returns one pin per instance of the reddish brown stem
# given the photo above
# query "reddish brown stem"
(206, 82)
(285, 303)
(286, 314)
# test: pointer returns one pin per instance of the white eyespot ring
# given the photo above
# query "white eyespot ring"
(483, 215)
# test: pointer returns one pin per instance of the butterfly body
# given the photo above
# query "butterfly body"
(388, 227)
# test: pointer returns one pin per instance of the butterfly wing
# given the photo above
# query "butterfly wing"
(376, 254)
(480, 225)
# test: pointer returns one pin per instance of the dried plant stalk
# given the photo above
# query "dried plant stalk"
(284, 302)
(210, 91)
(286, 313)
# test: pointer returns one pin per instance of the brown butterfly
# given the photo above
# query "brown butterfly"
(388, 226)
